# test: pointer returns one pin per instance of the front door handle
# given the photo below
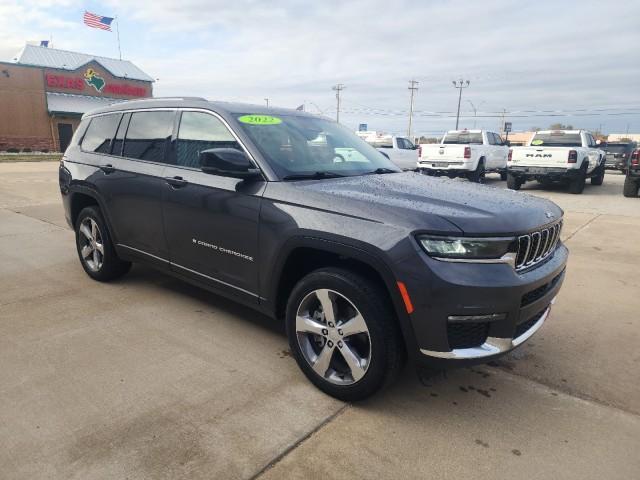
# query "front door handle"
(108, 168)
(176, 182)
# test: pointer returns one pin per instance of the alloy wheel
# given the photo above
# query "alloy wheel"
(91, 246)
(333, 337)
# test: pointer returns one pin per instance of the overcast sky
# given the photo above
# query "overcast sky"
(580, 59)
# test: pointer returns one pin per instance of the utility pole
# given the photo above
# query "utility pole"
(504, 112)
(338, 88)
(412, 88)
(475, 111)
(460, 84)
(267, 100)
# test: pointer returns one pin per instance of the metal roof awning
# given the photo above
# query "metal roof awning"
(76, 104)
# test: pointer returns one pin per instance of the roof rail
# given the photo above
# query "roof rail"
(176, 98)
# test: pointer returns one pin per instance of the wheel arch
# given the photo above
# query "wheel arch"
(301, 256)
(82, 197)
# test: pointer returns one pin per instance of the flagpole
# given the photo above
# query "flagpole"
(118, 35)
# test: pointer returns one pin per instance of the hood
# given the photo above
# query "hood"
(421, 202)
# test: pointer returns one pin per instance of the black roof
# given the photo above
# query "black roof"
(197, 102)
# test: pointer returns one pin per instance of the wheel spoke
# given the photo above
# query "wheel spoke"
(308, 325)
(96, 258)
(321, 365)
(353, 360)
(100, 248)
(328, 307)
(86, 251)
(85, 231)
(353, 326)
(94, 229)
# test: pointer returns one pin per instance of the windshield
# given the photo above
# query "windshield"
(463, 138)
(298, 145)
(556, 139)
(620, 148)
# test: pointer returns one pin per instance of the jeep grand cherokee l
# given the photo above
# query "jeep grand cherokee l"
(365, 264)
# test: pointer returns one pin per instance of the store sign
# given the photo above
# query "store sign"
(91, 82)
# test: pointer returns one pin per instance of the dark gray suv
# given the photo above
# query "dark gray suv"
(295, 216)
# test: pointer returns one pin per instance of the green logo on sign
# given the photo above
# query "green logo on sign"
(260, 120)
(93, 80)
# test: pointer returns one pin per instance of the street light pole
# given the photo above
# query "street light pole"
(460, 84)
(413, 88)
(267, 100)
(338, 88)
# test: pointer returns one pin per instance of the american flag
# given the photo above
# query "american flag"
(97, 21)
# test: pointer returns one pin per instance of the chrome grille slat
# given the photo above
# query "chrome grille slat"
(536, 246)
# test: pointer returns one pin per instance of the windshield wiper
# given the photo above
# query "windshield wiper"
(380, 171)
(312, 176)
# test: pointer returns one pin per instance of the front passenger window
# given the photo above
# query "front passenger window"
(201, 131)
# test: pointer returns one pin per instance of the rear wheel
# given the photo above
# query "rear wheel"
(503, 176)
(95, 248)
(631, 187)
(477, 176)
(598, 177)
(343, 334)
(576, 185)
(513, 182)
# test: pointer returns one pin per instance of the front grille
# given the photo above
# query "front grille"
(467, 334)
(525, 326)
(536, 246)
(530, 297)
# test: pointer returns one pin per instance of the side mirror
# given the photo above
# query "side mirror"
(228, 162)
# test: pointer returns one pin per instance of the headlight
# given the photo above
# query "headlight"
(467, 248)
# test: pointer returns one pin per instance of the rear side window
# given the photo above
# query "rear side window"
(148, 136)
(200, 131)
(100, 132)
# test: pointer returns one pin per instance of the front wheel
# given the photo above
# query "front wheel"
(631, 187)
(343, 334)
(513, 182)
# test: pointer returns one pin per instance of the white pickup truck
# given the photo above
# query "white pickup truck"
(569, 156)
(465, 153)
(400, 150)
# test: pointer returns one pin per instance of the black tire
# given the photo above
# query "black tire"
(477, 176)
(576, 185)
(503, 176)
(598, 177)
(111, 266)
(387, 352)
(631, 187)
(513, 182)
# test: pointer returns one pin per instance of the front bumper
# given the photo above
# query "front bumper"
(467, 313)
(492, 346)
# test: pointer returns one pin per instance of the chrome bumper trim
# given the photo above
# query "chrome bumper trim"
(492, 346)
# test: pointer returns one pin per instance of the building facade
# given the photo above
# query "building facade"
(44, 92)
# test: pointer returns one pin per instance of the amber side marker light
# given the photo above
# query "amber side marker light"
(405, 297)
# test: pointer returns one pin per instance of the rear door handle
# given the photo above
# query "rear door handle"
(108, 168)
(176, 182)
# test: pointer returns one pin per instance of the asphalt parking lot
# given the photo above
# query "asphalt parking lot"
(148, 377)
